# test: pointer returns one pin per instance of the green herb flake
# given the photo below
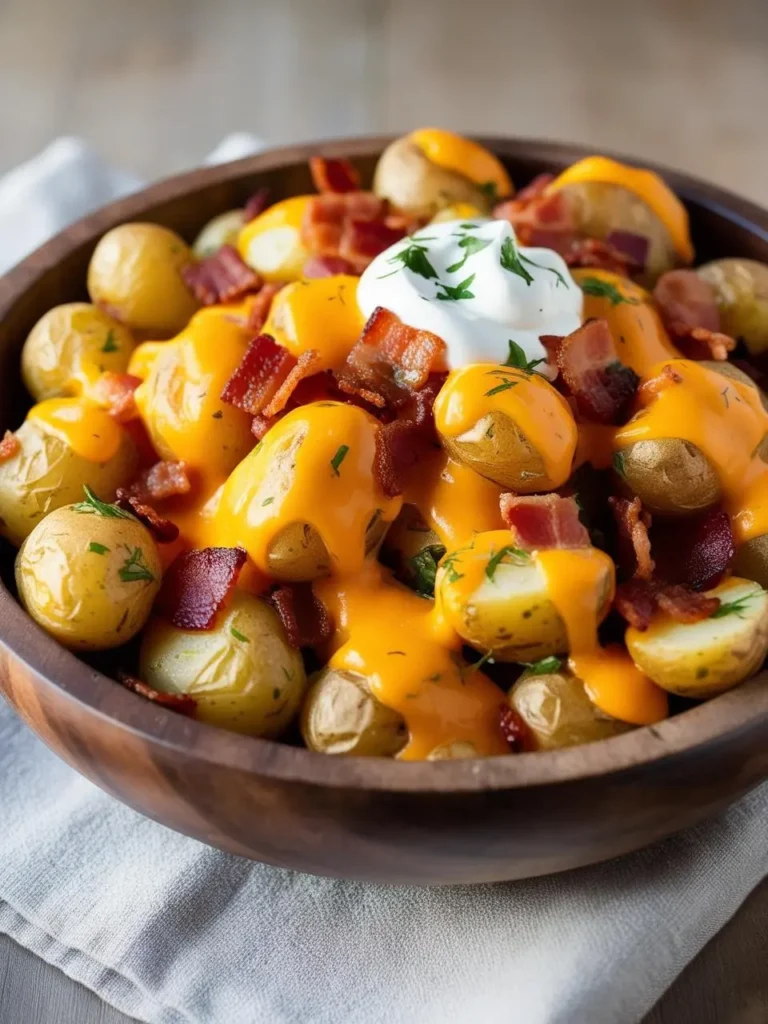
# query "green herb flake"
(511, 261)
(134, 569)
(423, 569)
(505, 385)
(617, 461)
(414, 258)
(339, 457)
(489, 190)
(508, 555)
(449, 564)
(517, 358)
(110, 343)
(605, 290)
(267, 501)
(95, 506)
(238, 635)
(455, 293)
(735, 607)
(98, 549)
(471, 245)
(544, 667)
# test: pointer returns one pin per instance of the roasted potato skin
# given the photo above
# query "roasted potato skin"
(702, 659)
(558, 713)
(219, 231)
(600, 208)
(46, 474)
(741, 289)
(413, 184)
(671, 476)
(69, 346)
(89, 580)
(135, 275)
(243, 673)
(751, 561)
(341, 716)
(407, 539)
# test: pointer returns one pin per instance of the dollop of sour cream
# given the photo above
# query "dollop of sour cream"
(470, 283)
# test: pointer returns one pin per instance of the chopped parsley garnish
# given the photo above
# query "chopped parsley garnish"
(110, 343)
(506, 383)
(514, 261)
(617, 461)
(734, 607)
(517, 358)
(339, 457)
(605, 290)
(543, 667)
(509, 555)
(95, 506)
(471, 244)
(460, 291)
(423, 567)
(267, 501)
(489, 189)
(414, 258)
(98, 549)
(238, 635)
(134, 568)
(450, 567)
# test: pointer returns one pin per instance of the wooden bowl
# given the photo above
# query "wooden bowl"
(373, 819)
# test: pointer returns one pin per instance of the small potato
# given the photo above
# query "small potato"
(507, 424)
(558, 712)
(47, 473)
(413, 550)
(601, 208)
(495, 596)
(741, 289)
(272, 244)
(243, 673)
(751, 561)
(672, 477)
(414, 184)
(341, 716)
(221, 230)
(69, 347)
(135, 276)
(459, 750)
(88, 574)
(702, 659)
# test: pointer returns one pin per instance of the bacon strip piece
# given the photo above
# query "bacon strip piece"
(634, 246)
(333, 175)
(9, 446)
(163, 530)
(600, 384)
(305, 618)
(688, 307)
(222, 277)
(697, 552)
(183, 703)
(306, 366)
(261, 306)
(540, 219)
(326, 266)
(262, 371)
(401, 443)
(165, 479)
(197, 584)
(544, 521)
(351, 225)
(634, 543)
(115, 391)
(601, 255)
(638, 601)
(256, 204)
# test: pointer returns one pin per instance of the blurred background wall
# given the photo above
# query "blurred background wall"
(154, 84)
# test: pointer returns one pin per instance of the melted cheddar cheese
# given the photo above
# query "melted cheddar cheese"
(646, 185)
(271, 243)
(453, 152)
(89, 431)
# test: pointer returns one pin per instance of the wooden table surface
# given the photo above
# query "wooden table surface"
(154, 84)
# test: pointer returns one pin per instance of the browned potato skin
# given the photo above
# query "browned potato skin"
(341, 716)
(558, 712)
(414, 185)
(672, 477)
(601, 208)
(751, 561)
(741, 290)
(298, 553)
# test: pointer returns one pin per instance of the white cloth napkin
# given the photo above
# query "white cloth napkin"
(172, 932)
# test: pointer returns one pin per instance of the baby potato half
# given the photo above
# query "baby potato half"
(243, 673)
(741, 290)
(702, 659)
(88, 574)
(670, 475)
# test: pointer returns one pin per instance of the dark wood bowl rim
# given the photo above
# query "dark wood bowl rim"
(708, 725)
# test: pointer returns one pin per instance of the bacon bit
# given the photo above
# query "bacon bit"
(182, 703)
(163, 530)
(307, 365)
(401, 443)
(305, 618)
(697, 552)
(699, 343)
(352, 225)
(515, 731)
(654, 386)
(636, 602)
(257, 204)
(540, 219)
(685, 605)
(262, 371)
(222, 277)
(535, 188)
(601, 255)
(261, 305)
(163, 480)
(686, 299)
(196, 585)
(639, 600)
(634, 543)
(600, 384)
(634, 246)
(9, 446)
(352, 386)
(326, 266)
(544, 521)
(333, 175)
(115, 392)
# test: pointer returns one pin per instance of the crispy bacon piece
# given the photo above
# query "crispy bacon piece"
(699, 343)
(307, 365)
(654, 386)
(634, 543)
(262, 371)
(636, 602)
(697, 552)
(600, 254)
(634, 246)
(544, 521)
(163, 480)
(305, 618)
(163, 530)
(600, 384)
(196, 585)
(639, 600)
(326, 266)
(222, 277)
(538, 218)
(402, 442)
(535, 188)
(333, 175)
(352, 225)
(688, 307)
(686, 605)
(257, 203)
(261, 305)
(115, 391)
(183, 703)
(514, 730)
(9, 446)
